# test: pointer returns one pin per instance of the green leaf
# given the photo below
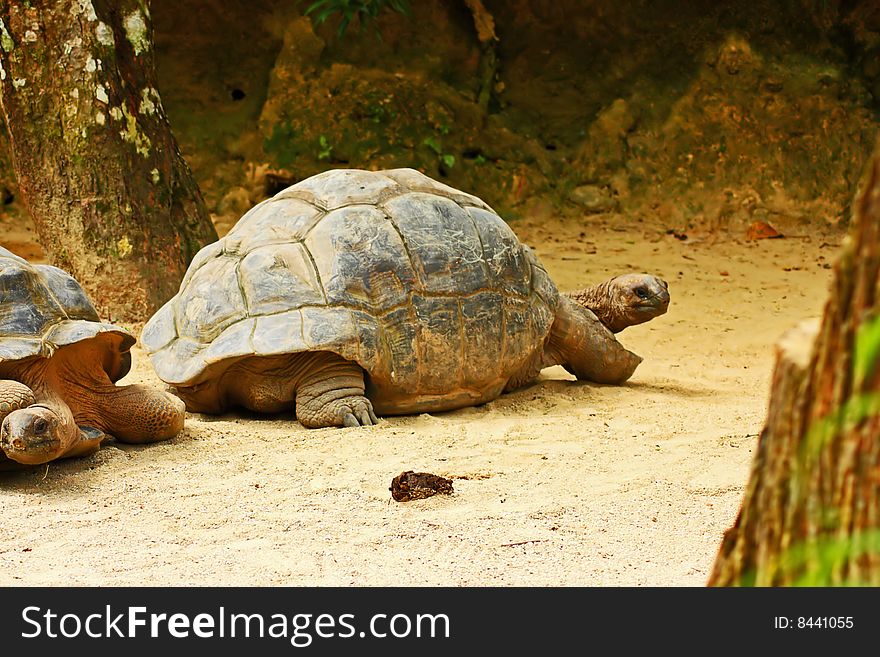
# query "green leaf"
(867, 350)
(325, 149)
(432, 143)
(348, 10)
(448, 160)
(314, 6)
(343, 24)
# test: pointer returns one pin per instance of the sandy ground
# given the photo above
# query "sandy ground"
(558, 484)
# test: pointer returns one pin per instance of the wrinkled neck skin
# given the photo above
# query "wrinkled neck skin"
(600, 300)
(69, 386)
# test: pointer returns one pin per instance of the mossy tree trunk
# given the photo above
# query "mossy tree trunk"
(811, 512)
(113, 201)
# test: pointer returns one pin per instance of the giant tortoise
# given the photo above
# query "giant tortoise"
(355, 293)
(58, 370)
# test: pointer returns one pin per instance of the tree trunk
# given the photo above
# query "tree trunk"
(484, 24)
(113, 201)
(811, 512)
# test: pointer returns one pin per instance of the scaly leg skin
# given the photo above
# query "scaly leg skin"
(331, 394)
(14, 396)
(140, 414)
(586, 348)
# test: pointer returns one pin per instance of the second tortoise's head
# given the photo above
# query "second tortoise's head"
(636, 298)
(35, 434)
(626, 300)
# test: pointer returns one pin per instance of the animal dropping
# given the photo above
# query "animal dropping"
(409, 485)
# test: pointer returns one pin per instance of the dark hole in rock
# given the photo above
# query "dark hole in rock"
(237, 94)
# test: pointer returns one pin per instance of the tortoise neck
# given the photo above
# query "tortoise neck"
(41, 376)
(76, 377)
(34, 373)
(600, 300)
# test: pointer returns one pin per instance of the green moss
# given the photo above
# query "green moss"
(131, 133)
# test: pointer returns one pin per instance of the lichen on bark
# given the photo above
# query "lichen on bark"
(6, 41)
(136, 32)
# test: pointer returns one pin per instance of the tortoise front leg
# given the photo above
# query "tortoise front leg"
(331, 394)
(14, 396)
(137, 414)
(586, 347)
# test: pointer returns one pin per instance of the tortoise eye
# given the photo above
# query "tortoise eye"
(642, 293)
(40, 425)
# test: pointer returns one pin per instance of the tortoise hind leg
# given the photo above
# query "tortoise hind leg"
(331, 394)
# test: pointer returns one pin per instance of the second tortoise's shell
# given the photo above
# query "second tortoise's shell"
(424, 286)
(43, 308)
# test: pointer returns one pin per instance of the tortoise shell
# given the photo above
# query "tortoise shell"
(424, 286)
(43, 308)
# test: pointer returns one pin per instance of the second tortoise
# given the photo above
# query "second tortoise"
(358, 293)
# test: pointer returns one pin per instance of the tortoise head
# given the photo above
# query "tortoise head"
(35, 434)
(647, 296)
(636, 298)
(629, 299)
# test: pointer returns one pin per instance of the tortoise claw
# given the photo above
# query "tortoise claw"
(365, 418)
(359, 413)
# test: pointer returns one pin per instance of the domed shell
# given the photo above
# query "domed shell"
(421, 284)
(43, 308)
